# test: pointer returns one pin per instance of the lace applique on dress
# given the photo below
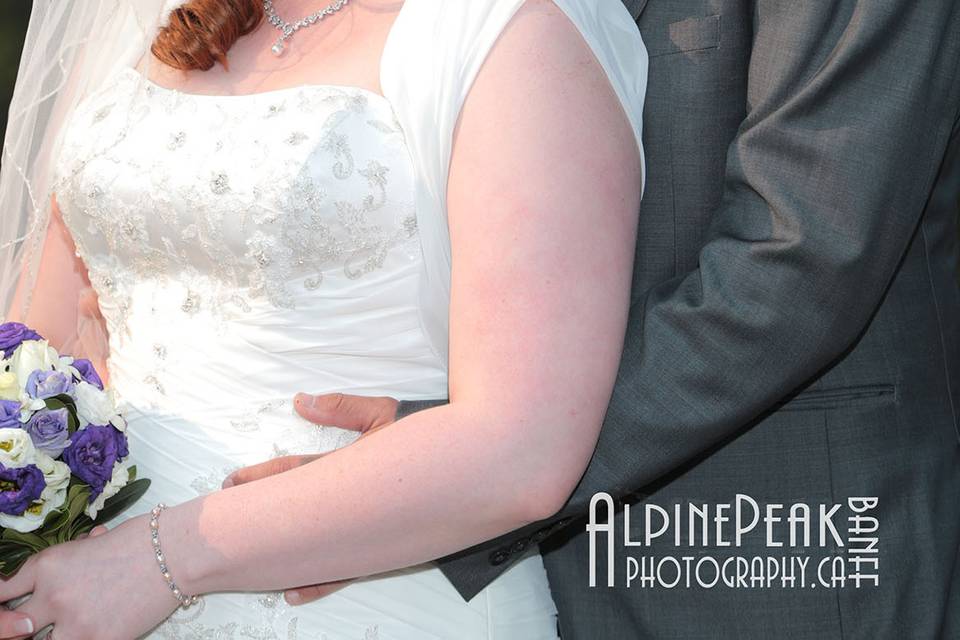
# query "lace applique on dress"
(252, 200)
(272, 608)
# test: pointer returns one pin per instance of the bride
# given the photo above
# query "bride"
(389, 199)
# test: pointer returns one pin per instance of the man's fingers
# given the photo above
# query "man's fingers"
(304, 595)
(98, 530)
(359, 413)
(268, 468)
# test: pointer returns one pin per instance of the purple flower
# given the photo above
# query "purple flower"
(43, 384)
(85, 367)
(92, 453)
(48, 430)
(9, 414)
(12, 334)
(19, 488)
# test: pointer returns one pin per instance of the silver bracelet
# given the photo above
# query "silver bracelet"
(184, 600)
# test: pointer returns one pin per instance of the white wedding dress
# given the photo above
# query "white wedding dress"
(247, 247)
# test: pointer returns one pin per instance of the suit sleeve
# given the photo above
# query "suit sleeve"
(850, 105)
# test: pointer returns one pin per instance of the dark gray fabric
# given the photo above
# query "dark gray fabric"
(406, 407)
(795, 328)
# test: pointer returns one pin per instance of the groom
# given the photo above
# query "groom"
(794, 335)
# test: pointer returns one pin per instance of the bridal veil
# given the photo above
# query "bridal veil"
(71, 49)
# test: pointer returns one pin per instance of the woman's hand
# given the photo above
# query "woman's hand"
(104, 587)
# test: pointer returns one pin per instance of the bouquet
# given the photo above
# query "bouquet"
(62, 448)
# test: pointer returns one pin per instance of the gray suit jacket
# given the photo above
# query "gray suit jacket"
(795, 327)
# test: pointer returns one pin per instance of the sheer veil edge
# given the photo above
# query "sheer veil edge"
(71, 49)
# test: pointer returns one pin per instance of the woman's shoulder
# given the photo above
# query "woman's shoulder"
(440, 46)
(437, 48)
(431, 61)
(458, 25)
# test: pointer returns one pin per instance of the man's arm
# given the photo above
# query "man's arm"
(851, 104)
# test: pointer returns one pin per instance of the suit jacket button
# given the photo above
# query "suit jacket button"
(499, 557)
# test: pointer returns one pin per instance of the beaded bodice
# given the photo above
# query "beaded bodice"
(279, 225)
(245, 200)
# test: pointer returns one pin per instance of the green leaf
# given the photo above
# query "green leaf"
(55, 522)
(65, 401)
(78, 496)
(12, 558)
(81, 525)
(132, 472)
(114, 505)
(10, 546)
(30, 540)
(55, 519)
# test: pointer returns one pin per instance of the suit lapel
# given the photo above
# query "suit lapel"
(636, 7)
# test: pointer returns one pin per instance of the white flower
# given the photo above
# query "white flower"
(97, 407)
(67, 366)
(57, 476)
(30, 356)
(16, 448)
(9, 386)
(118, 481)
(29, 406)
(64, 364)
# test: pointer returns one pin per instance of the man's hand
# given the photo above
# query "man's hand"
(359, 413)
(268, 468)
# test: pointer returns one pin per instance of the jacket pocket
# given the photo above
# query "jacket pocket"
(692, 34)
(840, 397)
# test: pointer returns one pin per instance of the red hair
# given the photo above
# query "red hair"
(200, 32)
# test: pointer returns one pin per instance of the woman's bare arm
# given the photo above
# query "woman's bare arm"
(543, 200)
(63, 306)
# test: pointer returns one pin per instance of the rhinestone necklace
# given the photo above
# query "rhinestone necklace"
(287, 29)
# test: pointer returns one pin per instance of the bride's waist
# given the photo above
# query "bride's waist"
(188, 379)
(182, 371)
(190, 452)
(337, 306)
(258, 427)
(169, 360)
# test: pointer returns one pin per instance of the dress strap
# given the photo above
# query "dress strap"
(431, 58)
